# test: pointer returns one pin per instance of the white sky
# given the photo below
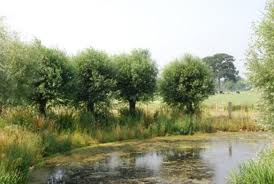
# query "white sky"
(168, 28)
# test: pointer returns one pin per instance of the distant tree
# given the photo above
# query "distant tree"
(136, 76)
(186, 82)
(223, 67)
(95, 78)
(240, 85)
(49, 77)
(261, 59)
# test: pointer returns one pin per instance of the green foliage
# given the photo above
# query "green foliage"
(259, 171)
(136, 76)
(239, 85)
(65, 121)
(261, 60)
(186, 82)
(3, 65)
(18, 152)
(53, 143)
(8, 176)
(15, 68)
(95, 78)
(50, 78)
(30, 71)
(223, 67)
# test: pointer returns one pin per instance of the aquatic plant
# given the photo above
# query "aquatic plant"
(259, 171)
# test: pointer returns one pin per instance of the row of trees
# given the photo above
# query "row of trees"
(33, 74)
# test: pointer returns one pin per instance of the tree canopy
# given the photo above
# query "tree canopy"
(49, 78)
(15, 68)
(222, 66)
(261, 58)
(136, 76)
(186, 82)
(95, 78)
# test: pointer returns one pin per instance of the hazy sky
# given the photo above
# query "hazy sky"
(168, 28)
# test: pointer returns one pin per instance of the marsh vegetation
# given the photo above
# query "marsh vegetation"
(52, 104)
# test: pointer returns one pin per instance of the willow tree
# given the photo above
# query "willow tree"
(95, 78)
(49, 78)
(185, 83)
(15, 68)
(261, 59)
(136, 76)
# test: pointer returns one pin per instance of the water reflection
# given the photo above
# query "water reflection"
(58, 176)
(170, 165)
(150, 167)
(151, 161)
(114, 161)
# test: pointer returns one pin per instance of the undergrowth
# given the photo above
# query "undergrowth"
(26, 137)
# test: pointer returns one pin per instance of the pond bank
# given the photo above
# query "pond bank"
(202, 158)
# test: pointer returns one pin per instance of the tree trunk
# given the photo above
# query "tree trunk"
(191, 112)
(219, 84)
(42, 107)
(132, 106)
(90, 107)
(191, 131)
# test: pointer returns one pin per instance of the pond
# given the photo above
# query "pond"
(180, 159)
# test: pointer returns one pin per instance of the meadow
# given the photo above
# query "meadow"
(26, 137)
(244, 98)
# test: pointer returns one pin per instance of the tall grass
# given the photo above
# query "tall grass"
(26, 137)
(260, 171)
(19, 150)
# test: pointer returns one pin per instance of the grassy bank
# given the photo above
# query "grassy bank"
(26, 137)
(259, 171)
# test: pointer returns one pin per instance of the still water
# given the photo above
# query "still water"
(187, 161)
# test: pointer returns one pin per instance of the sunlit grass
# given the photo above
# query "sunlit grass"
(259, 171)
(248, 98)
(19, 149)
(26, 137)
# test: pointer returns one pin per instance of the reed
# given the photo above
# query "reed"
(26, 137)
(259, 171)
